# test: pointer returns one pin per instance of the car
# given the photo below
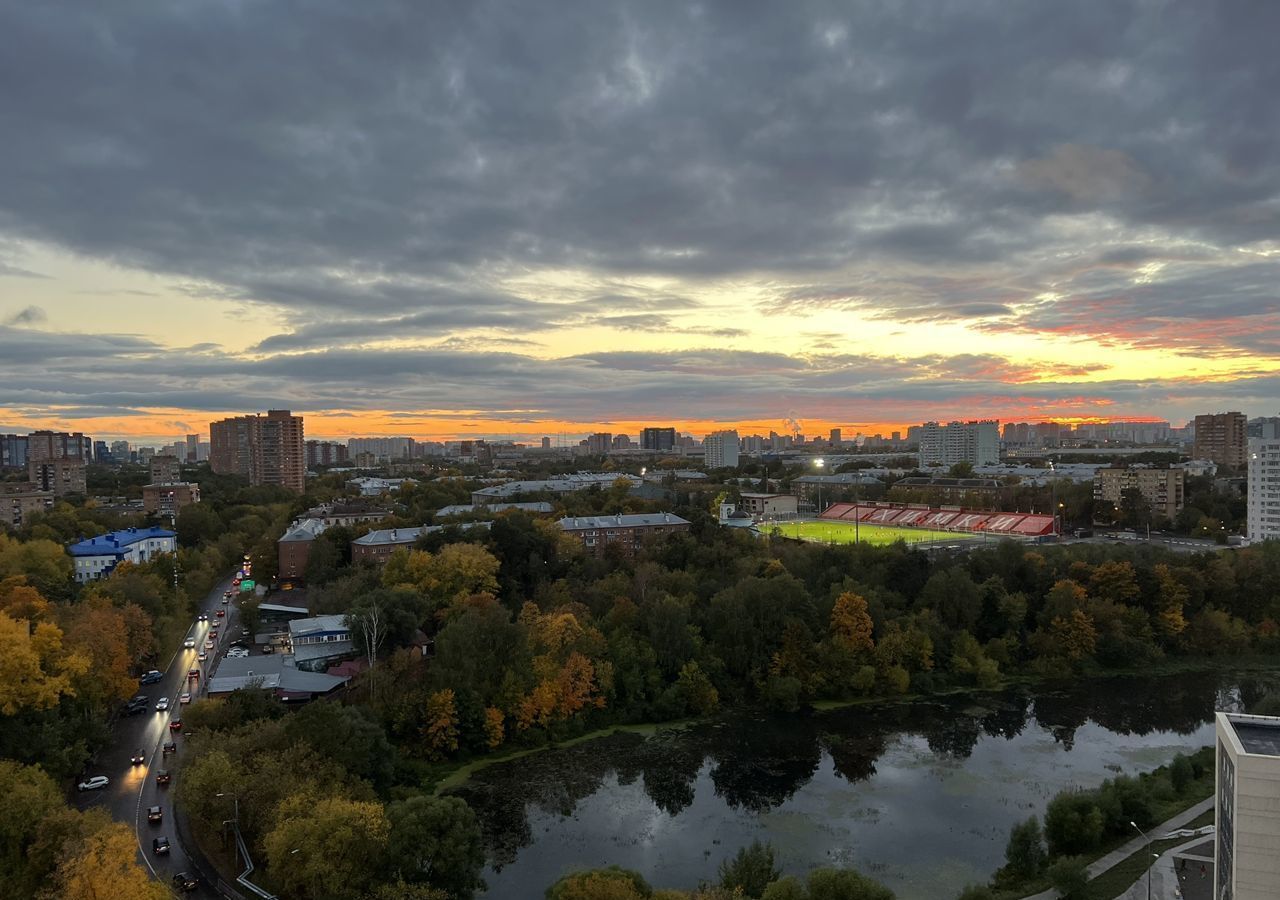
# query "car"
(244, 632)
(162, 704)
(154, 814)
(267, 648)
(221, 613)
(139, 700)
(203, 617)
(169, 747)
(163, 776)
(151, 677)
(185, 882)
(208, 645)
(134, 709)
(202, 656)
(184, 697)
(237, 653)
(94, 783)
(139, 757)
(159, 845)
(175, 725)
(227, 599)
(189, 643)
(193, 673)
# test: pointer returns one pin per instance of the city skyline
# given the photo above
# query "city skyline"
(481, 222)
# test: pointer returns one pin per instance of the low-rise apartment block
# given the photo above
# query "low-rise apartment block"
(62, 476)
(1161, 489)
(97, 557)
(166, 498)
(626, 531)
(19, 501)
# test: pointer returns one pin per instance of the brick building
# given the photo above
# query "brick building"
(62, 476)
(166, 498)
(266, 449)
(1221, 437)
(165, 469)
(627, 531)
(19, 501)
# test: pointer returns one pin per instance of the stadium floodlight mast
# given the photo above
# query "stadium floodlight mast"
(819, 463)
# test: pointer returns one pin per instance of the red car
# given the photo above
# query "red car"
(221, 613)
(175, 725)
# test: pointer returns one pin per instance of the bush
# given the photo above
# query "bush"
(1073, 824)
(977, 892)
(612, 883)
(750, 871)
(1123, 800)
(1180, 773)
(1070, 876)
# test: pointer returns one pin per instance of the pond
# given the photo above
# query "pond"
(919, 794)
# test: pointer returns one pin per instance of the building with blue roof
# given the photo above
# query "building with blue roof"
(97, 557)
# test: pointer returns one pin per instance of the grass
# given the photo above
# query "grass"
(833, 532)
(1120, 877)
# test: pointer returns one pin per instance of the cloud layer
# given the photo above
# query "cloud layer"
(483, 209)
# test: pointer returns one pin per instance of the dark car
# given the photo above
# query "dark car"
(154, 814)
(139, 757)
(134, 709)
(185, 882)
(151, 677)
(175, 725)
(159, 845)
(170, 747)
(163, 776)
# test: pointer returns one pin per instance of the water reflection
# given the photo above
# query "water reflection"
(945, 777)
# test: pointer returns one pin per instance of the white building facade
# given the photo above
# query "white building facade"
(1263, 511)
(976, 442)
(720, 450)
(97, 557)
(1246, 854)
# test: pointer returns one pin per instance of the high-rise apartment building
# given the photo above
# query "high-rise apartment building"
(1263, 510)
(658, 439)
(1220, 437)
(383, 449)
(42, 445)
(720, 450)
(193, 448)
(267, 449)
(13, 451)
(326, 453)
(599, 443)
(1246, 853)
(1161, 489)
(835, 440)
(976, 442)
(546, 443)
(62, 476)
(621, 442)
(165, 469)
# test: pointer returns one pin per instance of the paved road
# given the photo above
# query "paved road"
(133, 788)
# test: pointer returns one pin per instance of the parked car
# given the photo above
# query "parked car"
(96, 782)
(134, 709)
(151, 677)
(163, 776)
(237, 653)
(175, 725)
(154, 814)
(189, 643)
(185, 882)
(139, 757)
(169, 747)
(162, 704)
(267, 648)
(160, 845)
(184, 697)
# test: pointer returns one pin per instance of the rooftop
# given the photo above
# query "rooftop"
(407, 535)
(1259, 735)
(636, 520)
(114, 541)
(317, 624)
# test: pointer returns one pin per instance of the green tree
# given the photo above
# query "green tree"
(750, 870)
(1073, 824)
(1025, 854)
(347, 735)
(845, 884)
(1070, 876)
(601, 884)
(327, 848)
(437, 840)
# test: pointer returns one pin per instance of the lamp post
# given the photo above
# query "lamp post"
(1151, 865)
(819, 463)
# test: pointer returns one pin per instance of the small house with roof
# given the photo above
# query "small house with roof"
(97, 557)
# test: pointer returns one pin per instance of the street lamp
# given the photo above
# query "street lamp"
(1150, 866)
(819, 463)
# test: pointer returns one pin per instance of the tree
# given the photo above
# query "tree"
(35, 671)
(851, 624)
(1025, 855)
(601, 884)
(1074, 635)
(696, 690)
(327, 848)
(28, 797)
(349, 736)
(437, 840)
(1072, 824)
(845, 884)
(440, 725)
(750, 870)
(104, 866)
(1070, 876)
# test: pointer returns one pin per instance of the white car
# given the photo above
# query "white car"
(237, 654)
(189, 643)
(202, 656)
(208, 645)
(162, 704)
(184, 697)
(95, 783)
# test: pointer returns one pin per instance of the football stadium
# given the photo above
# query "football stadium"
(885, 523)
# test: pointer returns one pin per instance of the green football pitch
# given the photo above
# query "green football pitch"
(844, 533)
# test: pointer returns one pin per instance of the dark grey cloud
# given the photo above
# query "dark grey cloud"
(28, 315)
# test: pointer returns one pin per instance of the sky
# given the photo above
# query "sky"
(516, 219)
